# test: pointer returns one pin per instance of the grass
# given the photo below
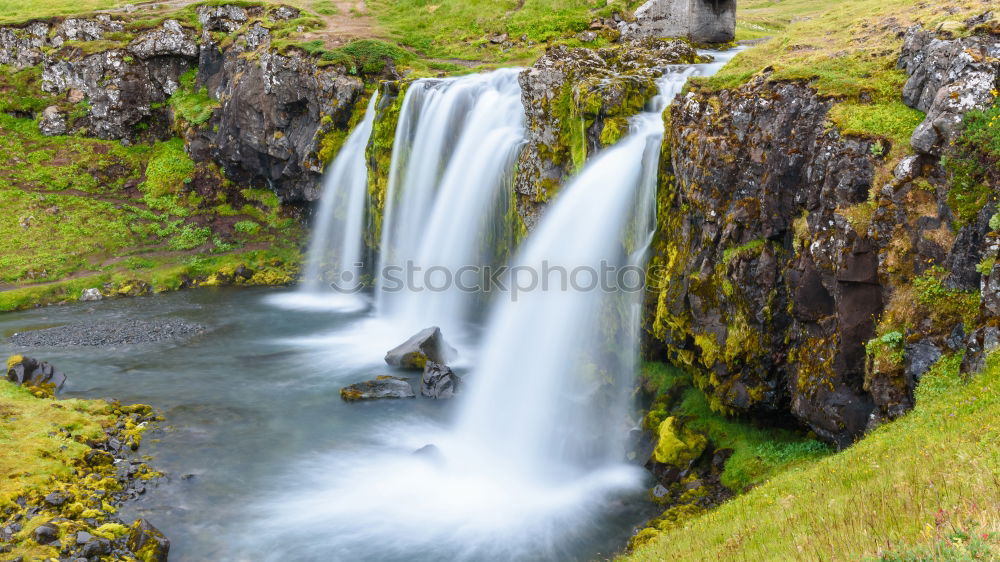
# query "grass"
(925, 478)
(845, 49)
(30, 432)
(758, 452)
(461, 28)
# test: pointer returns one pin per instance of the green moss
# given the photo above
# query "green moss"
(379, 155)
(190, 103)
(973, 162)
(759, 452)
(945, 307)
(676, 445)
(941, 479)
(169, 168)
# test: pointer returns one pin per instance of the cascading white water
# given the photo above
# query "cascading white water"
(534, 461)
(455, 147)
(334, 254)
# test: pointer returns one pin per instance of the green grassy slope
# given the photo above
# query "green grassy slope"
(924, 487)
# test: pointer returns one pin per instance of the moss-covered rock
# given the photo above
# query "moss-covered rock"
(578, 101)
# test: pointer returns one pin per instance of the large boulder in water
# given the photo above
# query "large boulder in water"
(426, 345)
(439, 381)
(382, 387)
(34, 373)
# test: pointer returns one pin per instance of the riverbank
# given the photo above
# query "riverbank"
(68, 466)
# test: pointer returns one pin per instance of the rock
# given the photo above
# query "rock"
(587, 36)
(30, 372)
(286, 13)
(428, 345)
(53, 122)
(56, 499)
(609, 85)
(439, 381)
(83, 537)
(109, 332)
(701, 21)
(920, 357)
(947, 78)
(430, 453)
(148, 541)
(92, 294)
(274, 112)
(96, 547)
(498, 38)
(45, 533)
(676, 445)
(170, 39)
(382, 387)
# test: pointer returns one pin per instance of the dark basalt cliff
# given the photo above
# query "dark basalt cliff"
(786, 267)
(268, 111)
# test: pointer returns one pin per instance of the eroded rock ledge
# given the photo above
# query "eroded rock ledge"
(792, 280)
(260, 113)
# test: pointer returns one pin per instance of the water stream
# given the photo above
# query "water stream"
(266, 462)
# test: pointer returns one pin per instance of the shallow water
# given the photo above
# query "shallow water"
(264, 460)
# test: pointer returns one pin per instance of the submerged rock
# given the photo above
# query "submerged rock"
(381, 387)
(439, 381)
(425, 346)
(30, 372)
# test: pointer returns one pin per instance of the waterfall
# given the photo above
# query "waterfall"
(335, 247)
(533, 460)
(550, 395)
(455, 147)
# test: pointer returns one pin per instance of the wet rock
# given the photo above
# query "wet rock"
(92, 294)
(701, 21)
(381, 387)
(53, 122)
(146, 539)
(274, 109)
(425, 346)
(439, 381)
(774, 288)
(34, 373)
(947, 78)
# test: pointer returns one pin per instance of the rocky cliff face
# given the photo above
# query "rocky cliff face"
(262, 116)
(789, 280)
(578, 101)
(274, 109)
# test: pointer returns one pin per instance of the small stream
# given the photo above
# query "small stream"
(254, 417)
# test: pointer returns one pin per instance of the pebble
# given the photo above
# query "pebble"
(108, 332)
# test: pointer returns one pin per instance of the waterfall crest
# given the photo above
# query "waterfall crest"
(455, 147)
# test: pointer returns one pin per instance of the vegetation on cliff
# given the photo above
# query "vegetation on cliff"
(922, 487)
